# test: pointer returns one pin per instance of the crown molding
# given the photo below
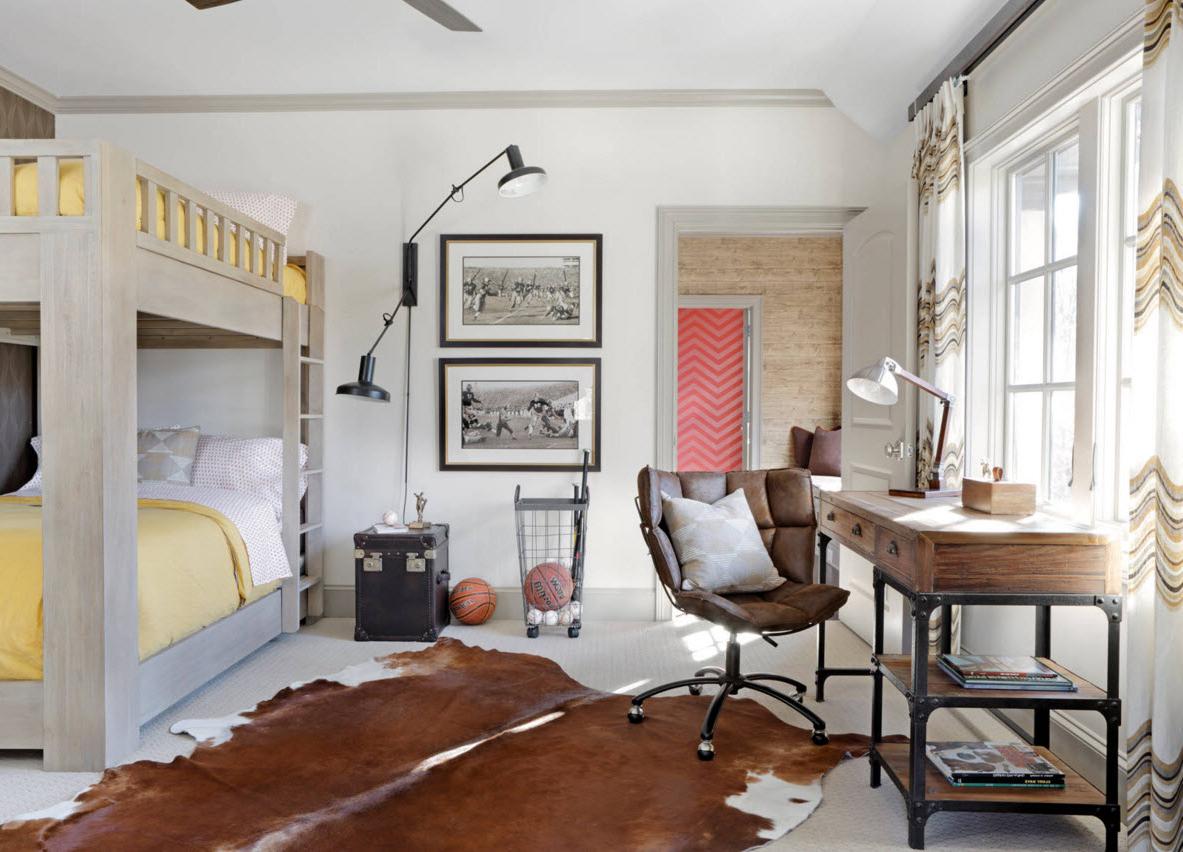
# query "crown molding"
(376, 101)
(31, 92)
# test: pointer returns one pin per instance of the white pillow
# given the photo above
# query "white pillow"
(719, 545)
(253, 465)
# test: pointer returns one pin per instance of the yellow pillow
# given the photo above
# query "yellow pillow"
(71, 189)
(295, 283)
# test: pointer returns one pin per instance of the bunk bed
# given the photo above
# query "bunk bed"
(117, 254)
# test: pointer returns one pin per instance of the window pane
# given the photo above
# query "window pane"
(1067, 202)
(1026, 437)
(1028, 218)
(1063, 427)
(1026, 330)
(1064, 325)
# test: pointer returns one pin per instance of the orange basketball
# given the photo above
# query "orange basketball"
(548, 586)
(472, 601)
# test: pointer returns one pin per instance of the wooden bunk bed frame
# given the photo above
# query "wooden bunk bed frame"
(92, 288)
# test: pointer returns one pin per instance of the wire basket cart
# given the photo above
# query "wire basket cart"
(552, 531)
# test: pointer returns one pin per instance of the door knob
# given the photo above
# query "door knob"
(898, 450)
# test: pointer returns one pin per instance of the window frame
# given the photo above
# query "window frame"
(1094, 114)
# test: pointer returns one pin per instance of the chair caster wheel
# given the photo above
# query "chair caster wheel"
(706, 750)
(532, 631)
(695, 689)
(573, 632)
(819, 738)
(636, 714)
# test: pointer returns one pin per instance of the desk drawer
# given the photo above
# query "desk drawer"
(895, 551)
(848, 527)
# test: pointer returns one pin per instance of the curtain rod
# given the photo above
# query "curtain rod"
(996, 31)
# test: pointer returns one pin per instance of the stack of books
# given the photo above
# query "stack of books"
(994, 765)
(974, 671)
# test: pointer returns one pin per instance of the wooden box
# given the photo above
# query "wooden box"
(998, 498)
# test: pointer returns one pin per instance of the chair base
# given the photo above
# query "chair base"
(730, 681)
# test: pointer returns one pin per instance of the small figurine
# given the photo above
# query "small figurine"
(420, 505)
(985, 469)
(997, 471)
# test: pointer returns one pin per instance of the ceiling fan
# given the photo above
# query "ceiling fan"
(437, 10)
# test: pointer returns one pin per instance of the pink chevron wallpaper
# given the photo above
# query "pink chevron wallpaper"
(710, 388)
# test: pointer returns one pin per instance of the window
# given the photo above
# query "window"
(1043, 227)
(1052, 232)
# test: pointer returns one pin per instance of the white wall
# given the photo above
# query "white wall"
(367, 179)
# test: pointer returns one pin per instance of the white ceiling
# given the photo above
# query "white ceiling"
(871, 57)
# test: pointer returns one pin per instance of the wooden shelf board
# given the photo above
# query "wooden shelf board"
(307, 528)
(898, 667)
(318, 362)
(314, 471)
(307, 582)
(1077, 791)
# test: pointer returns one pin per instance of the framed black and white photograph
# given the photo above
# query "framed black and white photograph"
(529, 414)
(520, 290)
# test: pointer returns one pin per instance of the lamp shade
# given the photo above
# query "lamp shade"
(520, 179)
(364, 387)
(876, 383)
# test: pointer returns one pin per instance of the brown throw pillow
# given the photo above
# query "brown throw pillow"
(802, 440)
(825, 457)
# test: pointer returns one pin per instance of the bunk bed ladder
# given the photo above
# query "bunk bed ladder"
(304, 534)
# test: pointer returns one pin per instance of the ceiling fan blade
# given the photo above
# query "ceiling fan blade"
(441, 13)
(209, 4)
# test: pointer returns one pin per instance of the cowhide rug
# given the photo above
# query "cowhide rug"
(454, 747)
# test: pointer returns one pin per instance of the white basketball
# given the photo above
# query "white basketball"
(390, 518)
(566, 616)
(550, 617)
(534, 616)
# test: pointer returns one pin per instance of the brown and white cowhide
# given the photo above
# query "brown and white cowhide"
(454, 747)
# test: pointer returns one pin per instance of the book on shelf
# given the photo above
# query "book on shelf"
(994, 764)
(1058, 683)
(979, 665)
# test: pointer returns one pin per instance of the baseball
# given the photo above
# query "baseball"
(390, 518)
(534, 616)
(576, 608)
(566, 616)
(550, 617)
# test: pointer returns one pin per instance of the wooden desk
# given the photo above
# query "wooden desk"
(938, 554)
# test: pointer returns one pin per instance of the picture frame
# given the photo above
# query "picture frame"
(519, 414)
(521, 290)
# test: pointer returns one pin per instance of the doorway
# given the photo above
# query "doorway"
(718, 382)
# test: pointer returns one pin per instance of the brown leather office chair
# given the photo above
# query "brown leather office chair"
(782, 504)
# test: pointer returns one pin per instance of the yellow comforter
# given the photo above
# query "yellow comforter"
(72, 202)
(193, 570)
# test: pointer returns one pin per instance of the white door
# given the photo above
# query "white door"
(877, 319)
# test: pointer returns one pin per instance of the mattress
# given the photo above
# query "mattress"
(72, 202)
(193, 569)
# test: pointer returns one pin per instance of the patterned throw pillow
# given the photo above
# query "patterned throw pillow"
(718, 545)
(166, 455)
(253, 465)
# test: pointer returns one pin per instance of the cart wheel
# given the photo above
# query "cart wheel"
(573, 632)
(695, 689)
(819, 738)
(532, 631)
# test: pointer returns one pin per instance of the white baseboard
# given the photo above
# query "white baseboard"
(598, 604)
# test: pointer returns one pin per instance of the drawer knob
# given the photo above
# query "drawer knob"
(829, 516)
(893, 549)
(856, 530)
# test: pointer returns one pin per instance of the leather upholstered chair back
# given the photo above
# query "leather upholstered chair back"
(781, 502)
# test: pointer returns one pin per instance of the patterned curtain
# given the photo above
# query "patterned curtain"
(937, 167)
(1154, 703)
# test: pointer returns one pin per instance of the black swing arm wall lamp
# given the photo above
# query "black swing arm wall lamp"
(520, 180)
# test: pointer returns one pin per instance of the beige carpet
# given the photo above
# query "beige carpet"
(625, 657)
